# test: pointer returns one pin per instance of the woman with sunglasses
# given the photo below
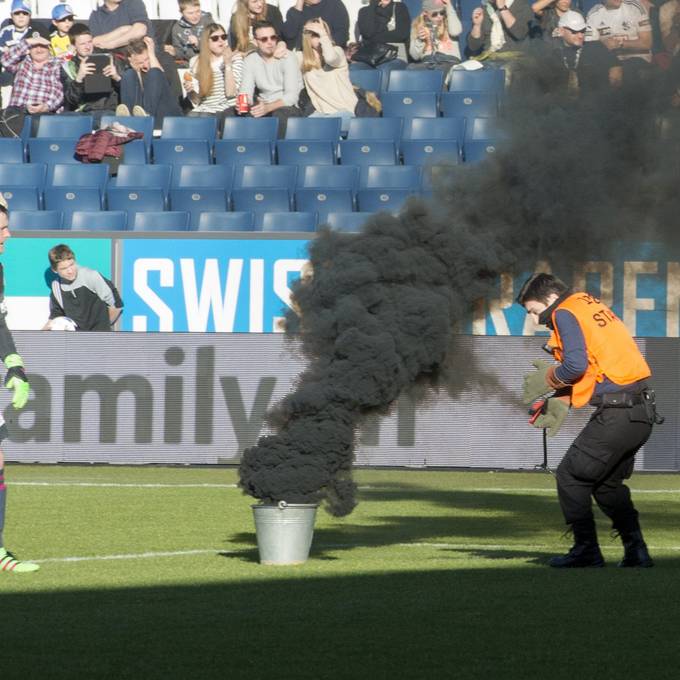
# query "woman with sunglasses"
(214, 74)
(325, 72)
(248, 13)
(434, 36)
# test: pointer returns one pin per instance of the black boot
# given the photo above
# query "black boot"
(635, 550)
(585, 552)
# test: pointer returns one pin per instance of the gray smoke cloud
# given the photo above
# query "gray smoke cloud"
(381, 312)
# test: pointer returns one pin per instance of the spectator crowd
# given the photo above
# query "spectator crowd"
(291, 59)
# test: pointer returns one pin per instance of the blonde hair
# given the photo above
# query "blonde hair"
(442, 30)
(241, 23)
(203, 67)
(311, 58)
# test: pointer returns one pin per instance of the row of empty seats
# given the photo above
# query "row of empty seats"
(115, 220)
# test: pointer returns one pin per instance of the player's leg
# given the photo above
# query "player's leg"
(9, 563)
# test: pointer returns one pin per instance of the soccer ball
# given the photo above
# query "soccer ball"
(63, 323)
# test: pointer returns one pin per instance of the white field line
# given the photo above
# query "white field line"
(135, 485)
(338, 546)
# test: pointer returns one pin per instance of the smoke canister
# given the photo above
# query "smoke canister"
(242, 103)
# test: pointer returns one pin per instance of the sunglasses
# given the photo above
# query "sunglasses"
(267, 38)
(65, 19)
(437, 13)
(311, 34)
(22, 14)
(219, 36)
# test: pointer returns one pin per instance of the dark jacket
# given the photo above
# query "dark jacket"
(92, 148)
(333, 12)
(513, 36)
(373, 19)
(182, 29)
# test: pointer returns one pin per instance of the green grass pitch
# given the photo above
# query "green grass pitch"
(435, 575)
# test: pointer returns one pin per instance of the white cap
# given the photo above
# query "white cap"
(572, 20)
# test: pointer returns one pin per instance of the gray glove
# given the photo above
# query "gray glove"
(556, 411)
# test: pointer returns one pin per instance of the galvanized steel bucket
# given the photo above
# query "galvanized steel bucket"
(284, 532)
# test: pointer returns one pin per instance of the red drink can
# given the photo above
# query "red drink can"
(242, 104)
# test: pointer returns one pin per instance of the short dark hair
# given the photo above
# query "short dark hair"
(76, 30)
(136, 47)
(539, 287)
(4, 210)
(263, 24)
(58, 254)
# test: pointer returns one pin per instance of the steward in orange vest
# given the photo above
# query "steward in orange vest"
(600, 364)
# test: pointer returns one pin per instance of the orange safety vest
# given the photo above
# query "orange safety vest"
(611, 350)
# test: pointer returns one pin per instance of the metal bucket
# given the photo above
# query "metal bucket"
(284, 532)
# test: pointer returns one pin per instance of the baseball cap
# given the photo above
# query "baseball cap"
(38, 31)
(572, 20)
(20, 6)
(432, 5)
(62, 10)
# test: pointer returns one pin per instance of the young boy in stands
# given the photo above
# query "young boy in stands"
(21, 24)
(62, 20)
(186, 31)
(81, 294)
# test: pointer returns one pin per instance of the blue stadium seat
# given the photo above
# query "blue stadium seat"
(367, 79)
(35, 219)
(23, 175)
(323, 201)
(265, 177)
(415, 81)
(52, 151)
(328, 177)
(424, 152)
(486, 79)
(468, 104)
(261, 200)
(439, 128)
(376, 200)
(346, 221)
(415, 7)
(181, 151)
(243, 152)
(477, 150)
(22, 198)
(390, 176)
(407, 105)
(11, 150)
(189, 127)
(307, 129)
(375, 129)
(136, 152)
(313, 152)
(195, 201)
(242, 128)
(78, 176)
(64, 126)
(102, 220)
(143, 124)
(202, 177)
(155, 176)
(483, 128)
(225, 221)
(70, 199)
(368, 152)
(132, 200)
(160, 221)
(285, 221)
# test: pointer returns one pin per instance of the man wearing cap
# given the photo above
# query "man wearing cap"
(21, 24)
(62, 20)
(584, 66)
(37, 81)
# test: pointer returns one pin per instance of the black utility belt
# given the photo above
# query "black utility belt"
(618, 400)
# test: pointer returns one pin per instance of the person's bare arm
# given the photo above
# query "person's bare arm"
(120, 36)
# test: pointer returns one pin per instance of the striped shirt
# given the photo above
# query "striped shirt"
(217, 100)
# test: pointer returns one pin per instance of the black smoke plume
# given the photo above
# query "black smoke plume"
(380, 313)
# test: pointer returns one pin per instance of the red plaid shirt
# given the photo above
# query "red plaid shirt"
(32, 85)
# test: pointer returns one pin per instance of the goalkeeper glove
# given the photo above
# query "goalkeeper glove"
(553, 416)
(16, 380)
(540, 382)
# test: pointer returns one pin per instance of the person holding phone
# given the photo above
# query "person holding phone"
(83, 65)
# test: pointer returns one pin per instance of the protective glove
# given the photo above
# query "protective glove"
(555, 413)
(535, 384)
(16, 380)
